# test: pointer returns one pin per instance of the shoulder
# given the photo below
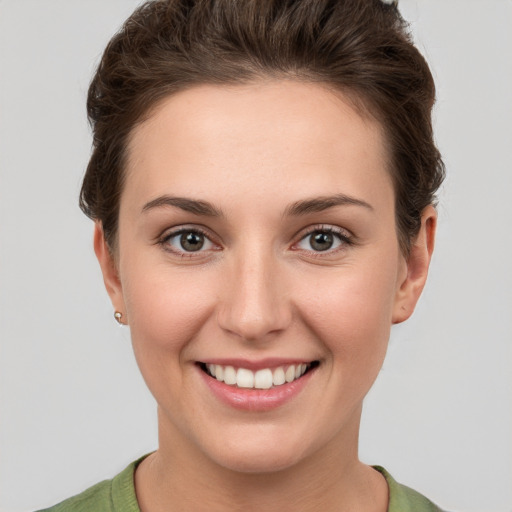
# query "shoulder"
(405, 499)
(98, 498)
(116, 495)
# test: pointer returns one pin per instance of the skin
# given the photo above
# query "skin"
(259, 289)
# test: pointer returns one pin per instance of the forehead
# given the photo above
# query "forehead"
(273, 136)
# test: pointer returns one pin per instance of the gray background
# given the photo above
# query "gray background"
(74, 409)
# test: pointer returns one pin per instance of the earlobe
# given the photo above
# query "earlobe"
(108, 268)
(417, 266)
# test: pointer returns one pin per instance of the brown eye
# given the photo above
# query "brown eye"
(191, 241)
(321, 241)
(188, 241)
(324, 240)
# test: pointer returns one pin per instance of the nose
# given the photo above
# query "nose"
(255, 300)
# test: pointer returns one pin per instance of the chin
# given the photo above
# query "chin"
(262, 462)
(259, 456)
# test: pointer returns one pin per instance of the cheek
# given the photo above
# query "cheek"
(350, 310)
(165, 309)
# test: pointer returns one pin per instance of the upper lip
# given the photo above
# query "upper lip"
(255, 365)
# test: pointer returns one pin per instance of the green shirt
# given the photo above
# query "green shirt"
(118, 495)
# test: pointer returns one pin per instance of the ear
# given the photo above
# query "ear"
(109, 270)
(416, 267)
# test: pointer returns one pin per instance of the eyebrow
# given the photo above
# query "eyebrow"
(319, 204)
(189, 205)
(303, 207)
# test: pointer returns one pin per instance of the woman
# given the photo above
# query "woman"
(263, 185)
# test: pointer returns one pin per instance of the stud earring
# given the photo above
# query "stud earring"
(118, 316)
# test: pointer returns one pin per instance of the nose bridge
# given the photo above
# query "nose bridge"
(254, 303)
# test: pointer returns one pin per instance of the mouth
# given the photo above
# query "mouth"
(264, 378)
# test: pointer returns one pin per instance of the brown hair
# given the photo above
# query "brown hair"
(360, 47)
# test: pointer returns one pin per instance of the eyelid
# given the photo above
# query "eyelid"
(178, 230)
(346, 238)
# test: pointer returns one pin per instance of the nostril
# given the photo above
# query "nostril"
(252, 327)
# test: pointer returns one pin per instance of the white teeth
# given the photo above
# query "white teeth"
(261, 379)
(290, 374)
(278, 378)
(229, 375)
(219, 372)
(244, 378)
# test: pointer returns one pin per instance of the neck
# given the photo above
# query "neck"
(179, 477)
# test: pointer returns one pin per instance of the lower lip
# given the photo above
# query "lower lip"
(256, 399)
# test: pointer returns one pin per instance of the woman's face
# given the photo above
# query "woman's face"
(257, 241)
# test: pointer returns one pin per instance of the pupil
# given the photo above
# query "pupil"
(321, 241)
(192, 241)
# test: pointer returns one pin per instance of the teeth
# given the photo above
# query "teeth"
(244, 378)
(290, 374)
(229, 375)
(262, 379)
(219, 372)
(278, 378)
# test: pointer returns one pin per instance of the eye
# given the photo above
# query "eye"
(187, 241)
(323, 240)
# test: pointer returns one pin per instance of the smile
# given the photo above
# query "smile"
(264, 378)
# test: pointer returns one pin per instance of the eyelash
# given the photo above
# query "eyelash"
(344, 238)
(164, 241)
